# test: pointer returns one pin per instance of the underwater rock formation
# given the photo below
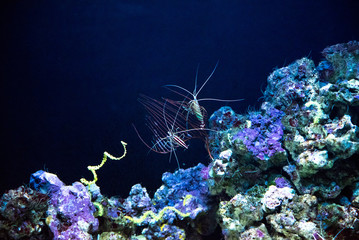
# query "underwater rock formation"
(305, 137)
(286, 171)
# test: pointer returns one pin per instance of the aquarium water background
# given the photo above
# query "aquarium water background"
(71, 73)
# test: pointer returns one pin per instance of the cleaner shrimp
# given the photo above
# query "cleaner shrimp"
(192, 106)
(167, 125)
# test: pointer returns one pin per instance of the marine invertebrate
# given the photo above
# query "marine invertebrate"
(156, 217)
(106, 155)
(192, 105)
(170, 127)
(263, 135)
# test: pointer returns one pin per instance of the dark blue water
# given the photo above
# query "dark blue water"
(71, 72)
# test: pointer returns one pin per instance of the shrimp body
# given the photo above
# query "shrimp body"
(168, 143)
(198, 111)
(177, 140)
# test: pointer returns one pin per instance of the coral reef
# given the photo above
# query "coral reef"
(286, 171)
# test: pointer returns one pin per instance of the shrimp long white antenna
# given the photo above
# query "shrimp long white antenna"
(209, 77)
(220, 100)
(195, 93)
(195, 82)
(174, 153)
(182, 88)
(193, 106)
(164, 115)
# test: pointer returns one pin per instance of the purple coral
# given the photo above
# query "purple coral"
(263, 137)
(281, 182)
